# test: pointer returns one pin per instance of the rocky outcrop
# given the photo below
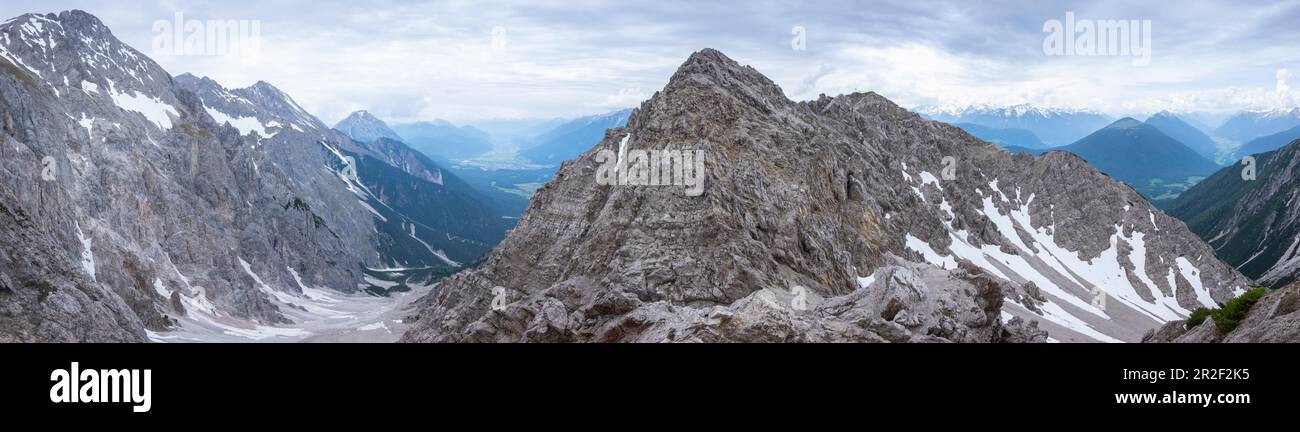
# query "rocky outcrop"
(905, 303)
(818, 195)
(1273, 319)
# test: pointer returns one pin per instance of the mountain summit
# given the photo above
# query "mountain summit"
(365, 127)
(841, 219)
(1144, 157)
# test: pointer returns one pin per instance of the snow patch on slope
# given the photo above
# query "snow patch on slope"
(288, 299)
(246, 125)
(349, 173)
(920, 246)
(1061, 274)
(87, 255)
(153, 109)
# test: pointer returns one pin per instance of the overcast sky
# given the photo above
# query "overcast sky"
(421, 60)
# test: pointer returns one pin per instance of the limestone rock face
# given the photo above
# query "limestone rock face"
(818, 201)
(121, 193)
(133, 203)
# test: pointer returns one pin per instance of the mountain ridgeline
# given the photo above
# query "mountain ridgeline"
(568, 140)
(1249, 125)
(444, 140)
(1008, 138)
(825, 221)
(1188, 135)
(1267, 143)
(1252, 220)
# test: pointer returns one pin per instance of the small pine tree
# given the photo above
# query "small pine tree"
(1230, 315)
(1198, 316)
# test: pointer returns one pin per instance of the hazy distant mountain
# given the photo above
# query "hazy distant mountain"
(1267, 143)
(516, 127)
(364, 127)
(1252, 224)
(1030, 151)
(1053, 126)
(1003, 137)
(442, 140)
(1249, 125)
(1203, 121)
(1137, 153)
(1185, 133)
(570, 139)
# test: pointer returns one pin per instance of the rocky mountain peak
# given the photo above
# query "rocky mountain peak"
(77, 21)
(198, 84)
(710, 81)
(1126, 123)
(280, 104)
(712, 66)
(73, 56)
(83, 21)
(363, 116)
(365, 127)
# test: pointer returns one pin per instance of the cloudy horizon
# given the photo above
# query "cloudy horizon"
(473, 61)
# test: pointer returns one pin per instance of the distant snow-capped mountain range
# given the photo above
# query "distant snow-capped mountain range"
(1019, 110)
(1054, 126)
(1248, 125)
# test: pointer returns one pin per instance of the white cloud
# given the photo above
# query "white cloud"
(413, 60)
(625, 98)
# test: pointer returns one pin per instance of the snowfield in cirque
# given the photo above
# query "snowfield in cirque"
(318, 314)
